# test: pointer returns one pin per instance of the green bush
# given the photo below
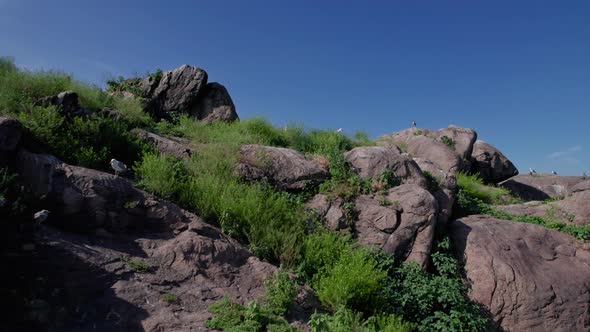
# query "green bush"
(280, 293)
(321, 250)
(354, 281)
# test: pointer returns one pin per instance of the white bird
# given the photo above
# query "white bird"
(41, 216)
(339, 130)
(554, 172)
(118, 166)
(2, 201)
(532, 171)
(414, 124)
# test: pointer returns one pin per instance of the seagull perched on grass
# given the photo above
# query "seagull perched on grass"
(41, 216)
(339, 130)
(554, 172)
(118, 166)
(532, 172)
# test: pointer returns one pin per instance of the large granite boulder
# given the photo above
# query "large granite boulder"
(372, 161)
(541, 187)
(284, 168)
(403, 226)
(449, 148)
(491, 165)
(215, 104)
(174, 90)
(401, 222)
(529, 277)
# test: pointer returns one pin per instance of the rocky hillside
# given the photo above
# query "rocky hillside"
(221, 224)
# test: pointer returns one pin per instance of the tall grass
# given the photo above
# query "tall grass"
(474, 187)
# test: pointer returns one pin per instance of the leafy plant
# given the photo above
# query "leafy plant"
(448, 141)
(136, 264)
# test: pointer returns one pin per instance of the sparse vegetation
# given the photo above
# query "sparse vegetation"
(264, 315)
(448, 141)
(169, 297)
(469, 204)
(136, 265)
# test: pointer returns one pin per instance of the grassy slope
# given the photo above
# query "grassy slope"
(363, 289)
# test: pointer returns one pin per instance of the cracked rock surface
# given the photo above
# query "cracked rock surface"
(529, 277)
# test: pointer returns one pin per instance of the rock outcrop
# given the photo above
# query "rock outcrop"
(86, 200)
(402, 222)
(405, 228)
(449, 148)
(67, 103)
(284, 168)
(491, 164)
(372, 161)
(541, 187)
(442, 185)
(215, 104)
(331, 211)
(173, 91)
(175, 146)
(121, 259)
(529, 277)
(182, 90)
(576, 207)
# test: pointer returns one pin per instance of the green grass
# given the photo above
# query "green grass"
(473, 186)
(90, 142)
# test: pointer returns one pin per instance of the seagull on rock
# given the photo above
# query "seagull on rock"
(554, 172)
(41, 216)
(118, 166)
(414, 124)
(532, 172)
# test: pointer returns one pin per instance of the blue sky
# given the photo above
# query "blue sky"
(516, 71)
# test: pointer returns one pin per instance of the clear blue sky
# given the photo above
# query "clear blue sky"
(516, 71)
